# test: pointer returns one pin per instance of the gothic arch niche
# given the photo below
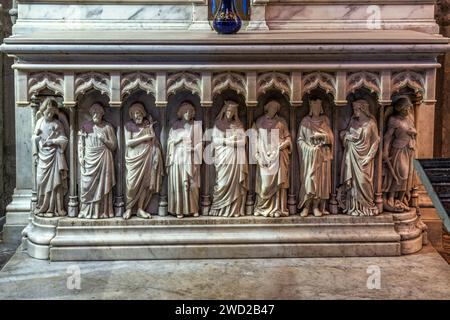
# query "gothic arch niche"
(148, 100)
(328, 108)
(343, 117)
(174, 101)
(276, 95)
(39, 96)
(218, 103)
(112, 115)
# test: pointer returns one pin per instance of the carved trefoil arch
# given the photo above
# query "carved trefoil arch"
(276, 81)
(45, 80)
(364, 79)
(229, 80)
(137, 80)
(92, 80)
(319, 79)
(410, 79)
(184, 80)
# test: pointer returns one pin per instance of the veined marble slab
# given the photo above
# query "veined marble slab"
(351, 16)
(35, 17)
(104, 12)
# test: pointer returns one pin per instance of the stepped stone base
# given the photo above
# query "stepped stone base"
(61, 239)
(17, 216)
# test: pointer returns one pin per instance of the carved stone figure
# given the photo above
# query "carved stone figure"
(398, 155)
(97, 141)
(143, 160)
(273, 148)
(315, 142)
(184, 157)
(49, 144)
(230, 161)
(360, 141)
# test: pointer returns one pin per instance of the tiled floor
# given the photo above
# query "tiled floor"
(424, 275)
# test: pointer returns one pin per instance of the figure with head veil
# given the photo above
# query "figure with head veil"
(230, 161)
(49, 144)
(360, 141)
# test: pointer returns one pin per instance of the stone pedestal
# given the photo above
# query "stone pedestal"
(203, 238)
(167, 53)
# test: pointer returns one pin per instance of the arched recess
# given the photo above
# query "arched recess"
(329, 109)
(345, 116)
(173, 103)
(44, 85)
(218, 103)
(147, 98)
(84, 101)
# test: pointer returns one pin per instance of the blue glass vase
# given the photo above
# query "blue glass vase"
(227, 20)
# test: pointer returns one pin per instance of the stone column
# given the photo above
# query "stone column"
(162, 209)
(379, 161)
(34, 105)
(292, 199)
(161, 104)
(206, 168)
(73, 163)
(119, 203)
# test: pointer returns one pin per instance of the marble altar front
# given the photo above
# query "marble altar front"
(118, 122)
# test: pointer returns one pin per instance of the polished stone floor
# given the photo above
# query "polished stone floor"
(420, 276)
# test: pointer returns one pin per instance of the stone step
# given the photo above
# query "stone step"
(214, 237)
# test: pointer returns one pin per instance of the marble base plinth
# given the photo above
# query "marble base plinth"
(61, 239)
(17, 216)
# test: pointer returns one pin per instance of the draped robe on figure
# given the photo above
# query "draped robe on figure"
(230, 191)
(97, 173)
(51, 171)
(272, 174)
(358, 144)
(315, 159)
(183, 167)
(144, 164)
(401, 153)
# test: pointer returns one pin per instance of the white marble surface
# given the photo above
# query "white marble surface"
(38, 17)
(424, 275)
(341, 16)
(104, 12)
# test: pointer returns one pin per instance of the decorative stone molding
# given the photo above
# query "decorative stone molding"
(319, 80)
(409, 79)
(92, 80)
(45, 80)
(137, 80)
(364, 79)
(274, 80)
(229, 80)
(184, 80)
